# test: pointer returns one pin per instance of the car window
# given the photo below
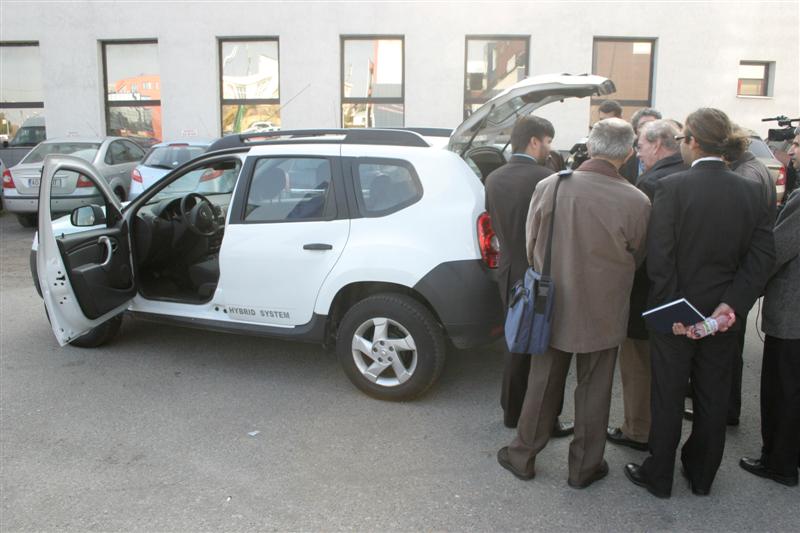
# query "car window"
(87, 151)
(172, 156)
(114, 154)
(28, 136)
(290, 190)
(760, 149)
(133, 151)
(386, 186)
(218, 177)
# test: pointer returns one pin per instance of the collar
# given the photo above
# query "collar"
(600, 166)
(524, 157)
(710, 158)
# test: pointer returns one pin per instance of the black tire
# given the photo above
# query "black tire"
(99, 335)
(420, 324)
(119, 192)
(28, 220)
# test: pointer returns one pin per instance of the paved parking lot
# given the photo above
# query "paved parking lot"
(153, 433)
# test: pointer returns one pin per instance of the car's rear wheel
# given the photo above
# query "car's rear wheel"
(391, 347)
(100, 335)
(28, 220)
(119, 192)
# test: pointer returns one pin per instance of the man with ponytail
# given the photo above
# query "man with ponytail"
(710, 241)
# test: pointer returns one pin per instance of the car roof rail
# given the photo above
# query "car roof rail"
(431, 132)
(389, 137)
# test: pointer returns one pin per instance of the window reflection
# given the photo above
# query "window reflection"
(243, 118)
(372, 82)
(133, 91)
(493, 64)
(629, 64)
(21, 94)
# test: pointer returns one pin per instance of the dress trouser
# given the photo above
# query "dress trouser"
(548, 375)
(735, 400)
(780, 405)
(634, 369)
(709, 363)
(516, 368)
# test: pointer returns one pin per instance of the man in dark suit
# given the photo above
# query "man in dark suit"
(508, 196)
(710, 241)
(660, 156)
(633, 166)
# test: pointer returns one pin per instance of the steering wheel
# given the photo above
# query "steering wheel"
(201, 218)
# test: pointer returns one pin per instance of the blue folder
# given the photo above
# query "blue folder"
(661, 318)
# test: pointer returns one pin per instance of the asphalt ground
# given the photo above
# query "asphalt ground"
(153, 433)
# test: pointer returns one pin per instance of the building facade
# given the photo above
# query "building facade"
(170, 70)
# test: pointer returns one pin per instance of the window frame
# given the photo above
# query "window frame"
(496, 37)
(245, 101)
(22, 105)
(653, 49)
(108, 104)
(361, 207)
(371, 100)
(768, 73)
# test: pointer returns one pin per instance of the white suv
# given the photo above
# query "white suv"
(369, 240)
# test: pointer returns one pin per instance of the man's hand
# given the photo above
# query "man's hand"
(730, 314)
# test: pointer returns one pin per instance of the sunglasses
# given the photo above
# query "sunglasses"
(686, 137)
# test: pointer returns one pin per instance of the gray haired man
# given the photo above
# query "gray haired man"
(599, 229)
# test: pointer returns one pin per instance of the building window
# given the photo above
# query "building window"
(372, 82)
(21, 94)
(133, 97)
(492, 64)
(628, 62)
(250, 85)
(754, 78)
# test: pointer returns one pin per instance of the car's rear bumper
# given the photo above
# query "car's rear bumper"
(465, 296)
(58, 204)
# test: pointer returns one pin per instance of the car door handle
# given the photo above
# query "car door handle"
(317, 246)
(109, 250)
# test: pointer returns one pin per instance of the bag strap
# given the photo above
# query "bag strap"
(548, 250)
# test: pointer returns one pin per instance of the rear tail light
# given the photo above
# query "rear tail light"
(136, 175)
(488, 242)
(8, 180)
(210, 174)
(781, 176)
(83, 181)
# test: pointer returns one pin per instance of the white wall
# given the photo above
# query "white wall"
(697, 54)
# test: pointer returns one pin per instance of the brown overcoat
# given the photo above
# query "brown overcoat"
(598, 241)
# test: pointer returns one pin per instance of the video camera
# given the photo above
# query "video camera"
(786, 132)
(578, 154)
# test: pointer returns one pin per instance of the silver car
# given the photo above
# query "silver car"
(161, 159)
(113, 157)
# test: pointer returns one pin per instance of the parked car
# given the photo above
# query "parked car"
(256, 127)
(161, 158)
(113, 158)
(369, 241)
(776, 169)
(31, 133)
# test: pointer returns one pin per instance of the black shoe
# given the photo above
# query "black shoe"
(600, 473)
(616, 436)
(505, 462)
(695, 490)
(757, 467)
(634, 473)
(563, 429)
(688, 413)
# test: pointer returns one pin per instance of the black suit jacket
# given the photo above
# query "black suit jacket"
(641, 283)
(710, 239)
(508, 196)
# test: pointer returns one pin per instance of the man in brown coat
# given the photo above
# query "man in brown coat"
(598, 240)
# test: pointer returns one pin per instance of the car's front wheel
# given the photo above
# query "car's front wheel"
(391, 347)
(99, 335)
(28, 220)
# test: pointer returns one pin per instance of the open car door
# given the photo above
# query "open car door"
(86, 276)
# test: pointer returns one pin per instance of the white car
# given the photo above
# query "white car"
(371, 241)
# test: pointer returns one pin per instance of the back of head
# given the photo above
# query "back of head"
(663, 131)
(644, 112)
(611, 138)
(528, 127)
(716, 134)
(611, 107)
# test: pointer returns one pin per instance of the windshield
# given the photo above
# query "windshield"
(213, 178)
(760, 149)
(85, 151)
(169, 157)
(28, 136)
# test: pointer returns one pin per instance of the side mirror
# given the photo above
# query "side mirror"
(87, 215)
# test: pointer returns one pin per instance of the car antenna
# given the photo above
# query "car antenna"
(478, 128)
